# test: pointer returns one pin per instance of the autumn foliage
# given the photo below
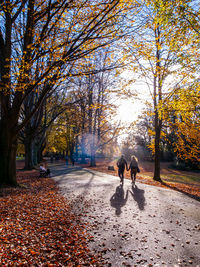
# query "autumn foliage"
(39, 228)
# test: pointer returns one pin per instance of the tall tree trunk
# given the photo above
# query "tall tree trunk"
(91, 122)
(28, 153)
(8, 148)
(76, 148)
(40, 150)
(8, 120)
(157, 100)
(157, 127)
(83, 161)
(39, 156)
(35, 153)
(93, 160)
(157, 151)
(92, 157)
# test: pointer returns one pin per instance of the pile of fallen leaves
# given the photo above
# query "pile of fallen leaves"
(38, 227)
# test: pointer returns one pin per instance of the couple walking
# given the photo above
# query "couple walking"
(133, 167)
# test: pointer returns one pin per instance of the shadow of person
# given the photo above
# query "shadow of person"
(138, 196)
(118, 199)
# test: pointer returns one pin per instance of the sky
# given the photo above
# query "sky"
(128, 110)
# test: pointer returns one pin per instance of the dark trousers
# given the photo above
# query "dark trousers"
(121, 173)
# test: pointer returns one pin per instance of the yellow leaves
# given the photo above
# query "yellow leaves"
(151, 132)
(188, 142)
(182, 114)
(152, 146)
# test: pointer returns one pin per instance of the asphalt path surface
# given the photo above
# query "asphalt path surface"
(139, 225)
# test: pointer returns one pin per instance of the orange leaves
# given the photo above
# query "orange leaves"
(33, 252)
(37, 227)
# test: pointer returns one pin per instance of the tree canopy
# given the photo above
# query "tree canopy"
(58, 62)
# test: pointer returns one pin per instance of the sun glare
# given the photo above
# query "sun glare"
(128, 111)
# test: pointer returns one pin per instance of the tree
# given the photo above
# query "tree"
(93, 108)
(156, 59)
(33, 136)
(181, 108)
(55, 34)
(182, 113)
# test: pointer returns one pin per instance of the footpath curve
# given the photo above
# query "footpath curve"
(133, 226)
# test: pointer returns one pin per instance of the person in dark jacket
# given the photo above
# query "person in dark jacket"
(133, 167)
(72, 159)
(121, 164)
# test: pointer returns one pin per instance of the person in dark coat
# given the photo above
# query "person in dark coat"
(72, 159)
(66, 160)
(122, 164)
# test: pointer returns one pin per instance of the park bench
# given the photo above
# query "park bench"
(43, 174)
(111, 168)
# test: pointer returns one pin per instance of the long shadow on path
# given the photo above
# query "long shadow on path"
(138, 196)
(119, 199)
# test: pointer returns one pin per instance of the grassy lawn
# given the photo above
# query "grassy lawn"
(189, 179)
(169, 174)
(178, 178)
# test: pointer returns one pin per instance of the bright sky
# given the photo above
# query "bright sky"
(127, 113)
(128, 110)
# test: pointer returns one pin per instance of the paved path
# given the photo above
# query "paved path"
(134, 226)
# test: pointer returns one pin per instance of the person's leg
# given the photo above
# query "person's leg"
(135, 172)
(121, 176)
(122, 179)
(132, 175)
(119, 173)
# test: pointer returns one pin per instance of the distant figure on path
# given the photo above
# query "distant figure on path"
(121, 164)
(72, 160)
(134, 168)
(66, 160)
